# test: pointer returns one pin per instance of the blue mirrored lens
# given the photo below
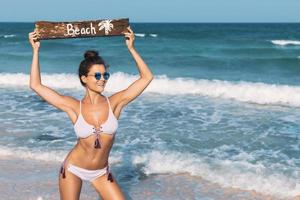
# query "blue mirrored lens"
(98, 76)
(106, 75)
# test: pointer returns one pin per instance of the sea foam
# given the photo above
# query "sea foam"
(9, 36)
(239, 173)
(285, 42)
(259, 93)
(43, 154)
(140, 34)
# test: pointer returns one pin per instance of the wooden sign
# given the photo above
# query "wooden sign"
(61, 30)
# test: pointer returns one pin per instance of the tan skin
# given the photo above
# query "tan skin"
(95, 112)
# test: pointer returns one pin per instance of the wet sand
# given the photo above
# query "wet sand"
(38, 180)
(184, 186)
(34, 180)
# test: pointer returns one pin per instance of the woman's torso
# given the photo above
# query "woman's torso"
(102, 118)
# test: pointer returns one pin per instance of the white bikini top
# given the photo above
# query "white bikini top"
(84, 129)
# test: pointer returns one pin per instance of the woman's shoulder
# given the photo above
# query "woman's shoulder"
(72, 107)
(115, 98)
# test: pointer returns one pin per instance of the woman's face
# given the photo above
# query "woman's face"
(91, 82)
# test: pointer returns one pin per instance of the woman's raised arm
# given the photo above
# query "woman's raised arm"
(137, 87)
(65, 103)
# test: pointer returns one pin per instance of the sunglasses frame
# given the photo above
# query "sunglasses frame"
(98, 75)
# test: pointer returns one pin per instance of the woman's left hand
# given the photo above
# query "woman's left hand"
(129, 38)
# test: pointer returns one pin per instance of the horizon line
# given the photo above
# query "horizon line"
(167, 22)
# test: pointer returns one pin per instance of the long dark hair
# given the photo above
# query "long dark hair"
(91, 57)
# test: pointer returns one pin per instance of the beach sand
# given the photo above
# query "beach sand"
(184, 186)
(33, 180)
(38, 180)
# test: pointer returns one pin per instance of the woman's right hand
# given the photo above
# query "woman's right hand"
(34, 40)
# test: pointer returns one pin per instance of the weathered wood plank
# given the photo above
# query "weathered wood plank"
(61, 30)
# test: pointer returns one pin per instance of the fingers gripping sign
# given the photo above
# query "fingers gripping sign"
(34, 40)
(129, 37)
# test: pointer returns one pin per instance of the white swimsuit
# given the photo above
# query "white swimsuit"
(84, 130)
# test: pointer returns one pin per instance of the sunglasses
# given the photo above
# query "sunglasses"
(98, 75)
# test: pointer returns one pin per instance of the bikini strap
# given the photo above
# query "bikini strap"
(108, 103)
(64, 165)
(109, 175)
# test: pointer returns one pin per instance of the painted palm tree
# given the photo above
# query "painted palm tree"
(106, 25)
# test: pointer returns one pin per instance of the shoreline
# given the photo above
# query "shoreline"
(38, 180)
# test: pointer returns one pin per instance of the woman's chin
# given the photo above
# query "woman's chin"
(100, 88)
(97, 89)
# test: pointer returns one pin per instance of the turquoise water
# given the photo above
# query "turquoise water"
(224, 104)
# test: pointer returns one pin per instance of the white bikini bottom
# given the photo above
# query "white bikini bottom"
(86, 174)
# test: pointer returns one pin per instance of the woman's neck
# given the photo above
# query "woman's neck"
(93, 97)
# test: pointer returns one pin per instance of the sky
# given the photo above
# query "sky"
(152, 10)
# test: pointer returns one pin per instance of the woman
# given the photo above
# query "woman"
(95, 120)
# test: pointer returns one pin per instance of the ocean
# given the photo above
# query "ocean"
(220, 120)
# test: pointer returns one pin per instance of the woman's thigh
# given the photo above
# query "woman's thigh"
(70, 186)
(108, 190)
